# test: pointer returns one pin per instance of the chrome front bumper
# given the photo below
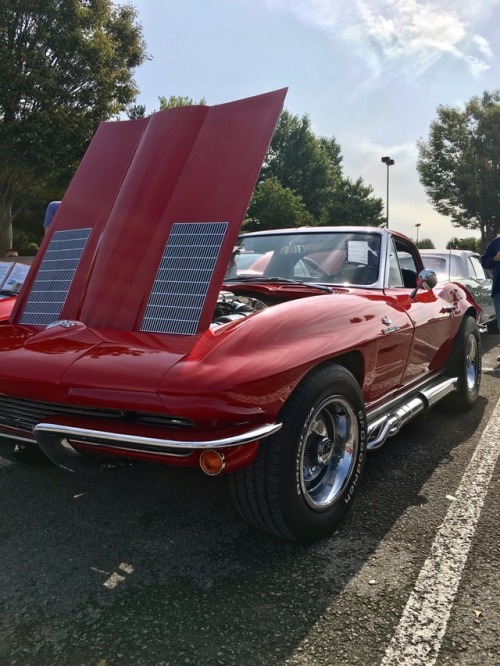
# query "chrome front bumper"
(59, 443)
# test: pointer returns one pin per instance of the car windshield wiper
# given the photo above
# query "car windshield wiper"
(268, 278)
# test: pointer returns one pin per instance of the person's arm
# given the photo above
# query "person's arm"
(491, 255)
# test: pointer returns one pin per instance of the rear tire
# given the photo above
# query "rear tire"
(305, 477)
(465, 363)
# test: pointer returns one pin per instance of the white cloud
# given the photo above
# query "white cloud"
(414, 33)
(483, 46)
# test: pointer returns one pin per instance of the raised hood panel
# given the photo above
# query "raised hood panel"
(146, 229)
(87, 205)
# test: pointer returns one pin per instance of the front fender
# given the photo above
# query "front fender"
(251, 367)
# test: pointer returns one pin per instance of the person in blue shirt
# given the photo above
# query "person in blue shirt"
(49, 213)
(491, 260)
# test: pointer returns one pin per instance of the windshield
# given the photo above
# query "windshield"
(326, 257)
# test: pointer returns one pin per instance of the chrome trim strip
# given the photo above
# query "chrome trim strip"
(83, 433)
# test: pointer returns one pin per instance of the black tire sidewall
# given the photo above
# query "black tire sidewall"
(465, 398)
(305, 522)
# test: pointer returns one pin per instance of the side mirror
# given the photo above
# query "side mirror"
(426, 280)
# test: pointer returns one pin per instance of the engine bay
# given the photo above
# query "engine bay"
(231, 307)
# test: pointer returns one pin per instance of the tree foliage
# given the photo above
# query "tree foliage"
(471, 243)
(175, 100)
(352, 203)
(274, 206)
(310, 168)
(302, 163)
(65, 65)
(135, 111)
(425, 244)
(459, 164)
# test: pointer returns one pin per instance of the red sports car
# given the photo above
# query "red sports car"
(132, 339)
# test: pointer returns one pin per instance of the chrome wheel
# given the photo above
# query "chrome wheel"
(329, 452)
(464, 363)
(471, 362)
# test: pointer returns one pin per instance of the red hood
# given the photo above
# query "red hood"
(62, 362)
(146, 228)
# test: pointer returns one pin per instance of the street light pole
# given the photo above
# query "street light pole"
(389, 162)
(418, 227)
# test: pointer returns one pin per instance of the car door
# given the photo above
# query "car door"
(433, 314)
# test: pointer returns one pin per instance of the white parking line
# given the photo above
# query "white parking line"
(418, 637)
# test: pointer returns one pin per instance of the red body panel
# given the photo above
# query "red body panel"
(6, 307)
(242, 372)
(33, 362)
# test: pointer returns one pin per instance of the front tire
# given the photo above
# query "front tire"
(305, 477)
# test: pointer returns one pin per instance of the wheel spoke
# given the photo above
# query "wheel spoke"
(471, 362)
(329, 452)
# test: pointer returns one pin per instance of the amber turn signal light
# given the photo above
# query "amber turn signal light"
(212, 462)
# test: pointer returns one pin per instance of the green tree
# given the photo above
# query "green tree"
(311, 168)
(174, 101)
(352, 203)
(459, 164)
(275, 207)
(135, 111)
(426, 244)
(471, 243)
(302, 163)
(64, 67)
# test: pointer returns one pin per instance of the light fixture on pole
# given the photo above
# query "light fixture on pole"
(418, 227)
(389, 162)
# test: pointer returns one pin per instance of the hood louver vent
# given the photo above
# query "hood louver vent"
(183, 278)
(53, 281)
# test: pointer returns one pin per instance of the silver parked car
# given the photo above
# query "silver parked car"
(464, 266)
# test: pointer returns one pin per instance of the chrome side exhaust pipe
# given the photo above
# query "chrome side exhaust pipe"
(391, 423)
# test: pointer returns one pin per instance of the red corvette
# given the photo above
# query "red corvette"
(131, 338)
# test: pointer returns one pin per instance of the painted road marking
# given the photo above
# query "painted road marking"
(417, 639)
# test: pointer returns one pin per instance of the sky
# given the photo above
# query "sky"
(370, 73)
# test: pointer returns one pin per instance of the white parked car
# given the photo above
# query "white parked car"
(464, 266)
